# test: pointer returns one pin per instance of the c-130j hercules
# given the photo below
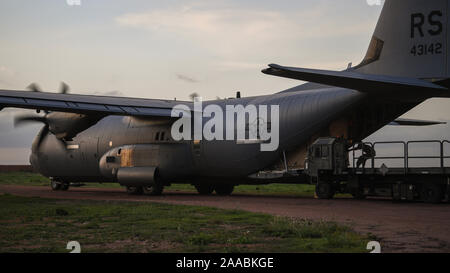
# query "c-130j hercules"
(128, 140)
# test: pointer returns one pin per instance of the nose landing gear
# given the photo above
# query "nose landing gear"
(59, 186)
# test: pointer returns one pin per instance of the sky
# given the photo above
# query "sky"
(171, 49)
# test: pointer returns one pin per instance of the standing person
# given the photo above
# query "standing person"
(367, 152)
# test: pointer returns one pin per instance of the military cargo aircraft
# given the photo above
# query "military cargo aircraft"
(88, 138)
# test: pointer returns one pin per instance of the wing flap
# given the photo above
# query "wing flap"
(377, 84)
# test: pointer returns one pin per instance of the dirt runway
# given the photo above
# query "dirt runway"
(401, 227)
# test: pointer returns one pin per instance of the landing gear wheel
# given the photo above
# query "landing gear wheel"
(324, 190)
(65, 186)
(432, 193)
(204, 189)
(155, 189)
(56, 186)
(134, 190)
(224, 189)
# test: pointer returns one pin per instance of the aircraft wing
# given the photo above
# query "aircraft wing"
(88, 104)
(414, 122)
(369, 83)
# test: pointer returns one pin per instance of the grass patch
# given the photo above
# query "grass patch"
(46, 225)
(23, 179)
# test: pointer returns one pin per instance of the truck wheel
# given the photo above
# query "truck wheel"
(432, 193)
(56, 186)
(204, 189)
(359, 194)
(324, 190)
(224, 189)
(155, 189)
(134, 190)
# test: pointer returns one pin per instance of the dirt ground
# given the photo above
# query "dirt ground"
(401, 227)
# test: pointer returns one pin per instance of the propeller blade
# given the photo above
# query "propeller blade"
(63, 143)
(194, 96)
(44, 133)
(64, 88)
(42, 136)
(28, 119)
(34, 87)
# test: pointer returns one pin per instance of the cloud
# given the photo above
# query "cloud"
(186, 78)
(5, 71)
(6, 75)
(222, 30)
(236, 32)
(190, 20)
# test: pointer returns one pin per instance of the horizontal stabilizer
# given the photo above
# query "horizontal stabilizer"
(414, 122)
(375, 84)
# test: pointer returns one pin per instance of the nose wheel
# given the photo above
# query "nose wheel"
(59, 186)
(56, 186)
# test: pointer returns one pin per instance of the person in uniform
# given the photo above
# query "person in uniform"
(367, 152)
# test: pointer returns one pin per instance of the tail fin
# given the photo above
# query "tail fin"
(410, 40)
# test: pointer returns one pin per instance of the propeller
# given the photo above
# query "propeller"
(28, 119)
(34, 87)
(22, 120)
(64, 89)
(194, 96)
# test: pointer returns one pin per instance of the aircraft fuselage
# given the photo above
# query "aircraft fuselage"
(301, 115)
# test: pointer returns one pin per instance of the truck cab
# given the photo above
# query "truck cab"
(327, 155)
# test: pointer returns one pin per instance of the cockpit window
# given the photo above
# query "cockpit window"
(325, 151)
(317, 152)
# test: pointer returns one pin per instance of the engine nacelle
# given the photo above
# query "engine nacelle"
(68, 125)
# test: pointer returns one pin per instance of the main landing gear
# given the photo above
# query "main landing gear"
(155, 189)
(207, 189)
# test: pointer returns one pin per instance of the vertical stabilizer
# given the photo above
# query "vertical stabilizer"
(410, 40)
